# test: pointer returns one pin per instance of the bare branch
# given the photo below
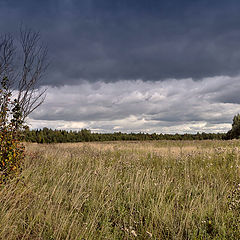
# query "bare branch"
(26, 75)
(7, 52)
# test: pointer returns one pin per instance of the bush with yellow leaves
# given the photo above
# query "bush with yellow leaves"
(11, 149)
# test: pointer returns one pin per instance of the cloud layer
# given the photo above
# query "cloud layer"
(150, 106)
(138, 39)
(186, 55)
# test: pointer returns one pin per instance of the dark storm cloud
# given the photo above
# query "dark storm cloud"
(134, 39)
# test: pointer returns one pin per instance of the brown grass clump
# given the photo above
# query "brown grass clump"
(122, 190)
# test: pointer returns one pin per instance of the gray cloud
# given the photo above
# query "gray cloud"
(152, 106)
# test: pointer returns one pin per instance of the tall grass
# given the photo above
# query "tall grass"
(122, 190)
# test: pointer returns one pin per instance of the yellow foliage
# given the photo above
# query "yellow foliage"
(11, 154)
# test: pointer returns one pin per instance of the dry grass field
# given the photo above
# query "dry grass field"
(125, 190)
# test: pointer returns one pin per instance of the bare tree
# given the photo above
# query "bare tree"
(24, 62)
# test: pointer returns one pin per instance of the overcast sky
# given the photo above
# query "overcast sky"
(135, 65)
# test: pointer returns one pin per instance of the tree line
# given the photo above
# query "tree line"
(47, 135)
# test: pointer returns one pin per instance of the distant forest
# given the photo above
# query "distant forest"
(47, 135)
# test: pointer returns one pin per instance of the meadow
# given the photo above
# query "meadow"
(125, 190)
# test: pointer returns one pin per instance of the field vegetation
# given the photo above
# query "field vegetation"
(125, 190)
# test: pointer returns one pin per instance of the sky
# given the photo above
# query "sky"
(135, 65)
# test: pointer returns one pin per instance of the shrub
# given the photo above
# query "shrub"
(11, 149)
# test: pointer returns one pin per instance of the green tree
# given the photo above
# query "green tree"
(235, 131)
